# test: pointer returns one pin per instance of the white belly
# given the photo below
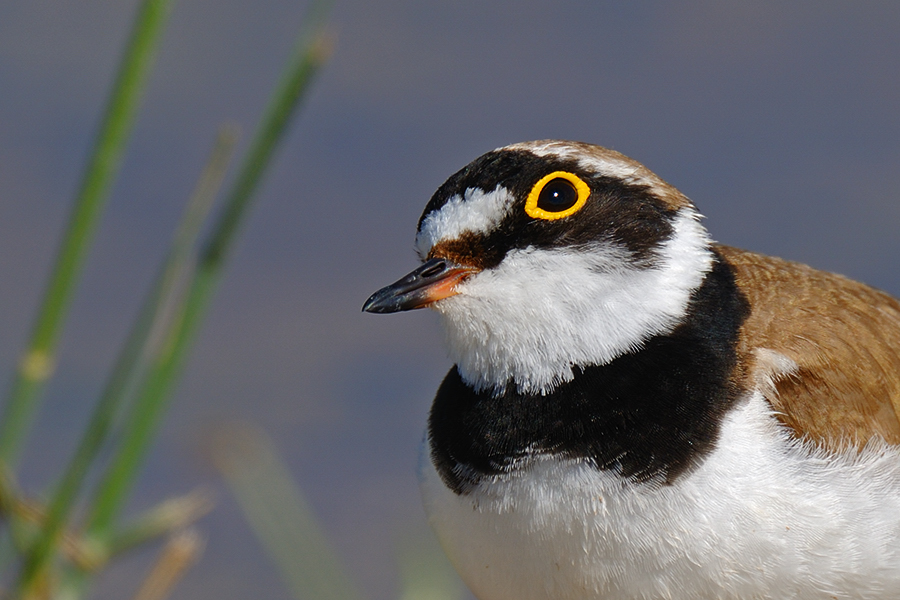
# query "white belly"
(761, 517)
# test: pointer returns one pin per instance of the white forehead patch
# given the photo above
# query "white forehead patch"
(476, 211)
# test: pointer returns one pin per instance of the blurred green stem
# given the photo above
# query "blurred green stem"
(151, 318)
(165, 367)
(38, 361)
(280, 516)
(160, 520)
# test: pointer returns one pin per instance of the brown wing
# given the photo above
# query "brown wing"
(824, 348)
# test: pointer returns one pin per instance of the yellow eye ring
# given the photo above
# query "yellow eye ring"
(556, 195)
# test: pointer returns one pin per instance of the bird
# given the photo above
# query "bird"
(636, 411)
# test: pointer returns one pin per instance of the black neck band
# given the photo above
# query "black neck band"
(652, 413)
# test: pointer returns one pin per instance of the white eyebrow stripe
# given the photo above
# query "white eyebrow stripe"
(602, 162)
(601, 165)
(476, 211)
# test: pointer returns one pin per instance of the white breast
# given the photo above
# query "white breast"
(762, 517)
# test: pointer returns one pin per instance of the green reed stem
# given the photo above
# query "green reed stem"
(162, 519)
(280, 516)
(38, 361)
(164, 368)
(151, 318)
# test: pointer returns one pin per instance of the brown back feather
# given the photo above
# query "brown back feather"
(843, 338)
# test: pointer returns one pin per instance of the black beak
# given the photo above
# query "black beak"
(435, 280)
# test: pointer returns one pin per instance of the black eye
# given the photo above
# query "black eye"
(558, 195)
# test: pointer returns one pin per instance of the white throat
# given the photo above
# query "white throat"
(541, 312)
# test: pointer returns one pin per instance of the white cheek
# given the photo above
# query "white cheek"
(539, 312)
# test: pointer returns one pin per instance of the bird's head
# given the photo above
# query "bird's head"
(550, 255)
